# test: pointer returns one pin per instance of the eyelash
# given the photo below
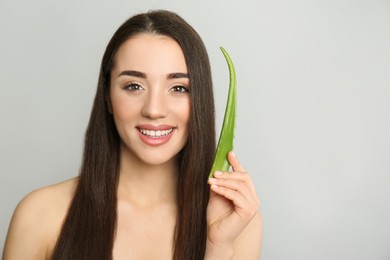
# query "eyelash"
(137, 87)
(132, 86)
(180, 89)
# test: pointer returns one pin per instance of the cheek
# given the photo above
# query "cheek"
(185, 112)
(122, 109)
(179, 108)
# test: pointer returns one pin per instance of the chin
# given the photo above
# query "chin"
(159, 158)
(153, 156)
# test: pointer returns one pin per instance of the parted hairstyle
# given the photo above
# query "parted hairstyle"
(88, 231)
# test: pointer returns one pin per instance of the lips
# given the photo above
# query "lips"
(155, 135)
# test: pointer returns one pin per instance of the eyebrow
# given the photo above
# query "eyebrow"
(139, 74)
(177, 75)
(133, 73)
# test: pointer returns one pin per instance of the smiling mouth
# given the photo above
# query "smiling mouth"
(155, 133)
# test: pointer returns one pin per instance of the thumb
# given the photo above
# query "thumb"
(236, 166)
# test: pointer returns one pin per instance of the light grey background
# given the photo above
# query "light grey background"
(313, 108)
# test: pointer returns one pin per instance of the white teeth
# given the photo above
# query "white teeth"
(156, 134)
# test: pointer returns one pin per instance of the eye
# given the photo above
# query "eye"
(133, 87)
(179, 89)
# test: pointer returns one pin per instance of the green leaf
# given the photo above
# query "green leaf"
(225, 142)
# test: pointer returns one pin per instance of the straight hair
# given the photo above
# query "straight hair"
(88, 231)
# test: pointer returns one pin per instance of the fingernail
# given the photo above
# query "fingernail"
(218, 173)
(234, 155)
(214, 186)
(212, 180)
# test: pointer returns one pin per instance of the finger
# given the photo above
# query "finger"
(238, 176)
(212, 193)
(232, 195)
(246, 189)
(243, 206)
(236, 166)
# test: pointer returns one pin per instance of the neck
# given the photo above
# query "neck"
(146, 185)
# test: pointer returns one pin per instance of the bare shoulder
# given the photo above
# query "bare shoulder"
(248, 244)
(37, 221)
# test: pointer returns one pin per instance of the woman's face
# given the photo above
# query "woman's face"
(149, 98)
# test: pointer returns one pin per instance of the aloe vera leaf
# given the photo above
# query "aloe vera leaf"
(225, 142)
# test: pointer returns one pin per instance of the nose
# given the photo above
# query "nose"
(155, 106)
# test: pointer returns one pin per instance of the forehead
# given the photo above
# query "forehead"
(150, 53)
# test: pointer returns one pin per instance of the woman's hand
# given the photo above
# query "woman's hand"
(233, 203)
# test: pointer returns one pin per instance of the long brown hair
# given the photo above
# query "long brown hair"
(89, 228)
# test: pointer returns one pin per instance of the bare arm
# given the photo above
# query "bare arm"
(26, 234)
(248, 243)
(36, 223)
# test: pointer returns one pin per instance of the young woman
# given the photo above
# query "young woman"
(143, 191)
